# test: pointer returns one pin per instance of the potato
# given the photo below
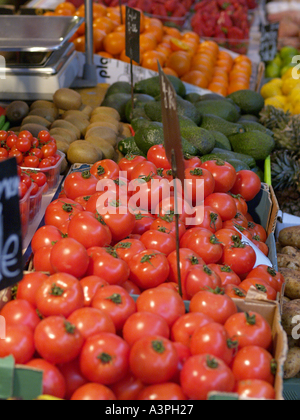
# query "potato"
(290, 236)
(289, 311)
(292, 283)
(287, 261)
(292, 363)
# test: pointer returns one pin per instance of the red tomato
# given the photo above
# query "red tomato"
(80, 183)
(44, 136)
(241, 204)
(239, 219)
(105, 169)
(23, 144)
(261, 286)
(49, 150)
(149, 269)
(213, 339)
(143, 222)
(29, 285)
(19, 343)
(247, 184)
(223, 173)
(91, 321)
(61, 294)
(60, 211)
(249, 329)
(215, 304)
(142, 324)
(90, 285)
(69, 256)
(199, 278)
(192, 162)
(20, 312)
(167, 207)
(128, 163)
(235, 292)
(128, 389)
(162, 359)
(39, 178)
(159, 241)
(115, 302)
(154, 301)
(105, 358)
(195, 180)
(148, 192)
(240, 258)
(261, 245)
(54, 383)
(93, 392)
(253, 362)
(255, 389)
(143, 169)
(211, 220)
(184, 328)
(88, 231)
(167, 224)
(41, 260)
(204, 373)
(72, 376)
(57, 340)
(223, 204)
(274, 278)
(162, 392)
(157, 155)
(15, 153)
(128, 248)
(105, 263)
(204, 243)
(31, 162)
(225, 273)
(257, 230)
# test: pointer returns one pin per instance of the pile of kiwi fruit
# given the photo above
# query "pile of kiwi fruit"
(83, 133)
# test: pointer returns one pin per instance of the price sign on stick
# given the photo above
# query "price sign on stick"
(173, 147)
(269, 41)
(133, 30)
(11, 265)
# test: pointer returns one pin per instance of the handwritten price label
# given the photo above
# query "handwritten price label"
(133, 25)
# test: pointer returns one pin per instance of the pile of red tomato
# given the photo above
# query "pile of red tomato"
(98, 260)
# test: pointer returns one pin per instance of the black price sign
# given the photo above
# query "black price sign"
(133, 30)
(269, 41)
(11, 265)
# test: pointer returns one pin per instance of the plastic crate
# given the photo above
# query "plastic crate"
(291, 389)
(36, 202)
(52, 173)
(25, 212)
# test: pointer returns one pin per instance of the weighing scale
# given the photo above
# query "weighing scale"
(36, 57)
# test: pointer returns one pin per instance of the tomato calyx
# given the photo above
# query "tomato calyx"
(105, 358)
(100, 219)
(147, 258)
(86, 175)
(239, 292)
(196, 172)
(111, 251)
(158, 346)
(69, 328)
(123, 245)
(115, 298)
(56, 290)
(207, 270)
(232, 344)
(271, 271)
(67, 207)
(217, 291)
(163, 229)
(250, 319)
(213, 219)
(194, 260)
(219, 162)
(274, 366)
(214, 240)
(226, 269)
(260, 288)
(130, 156)
(211, 362)
(237, 243)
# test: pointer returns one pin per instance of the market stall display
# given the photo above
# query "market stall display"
(106, 254)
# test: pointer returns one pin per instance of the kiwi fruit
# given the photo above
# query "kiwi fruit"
(106, 111)
(61, 144)
(107, 149)
(69, 136)
(105, 133)
(35, 119)
(87, 110)
(49, 114)
(105, 118)
(82, 151)
(81, 123)
(16, 111)
(42, 104)
(125, 130)
(34, 129)
(103, 124)
(68, 126)
(67, 99)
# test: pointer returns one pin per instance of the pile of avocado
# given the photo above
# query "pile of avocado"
(211, 126)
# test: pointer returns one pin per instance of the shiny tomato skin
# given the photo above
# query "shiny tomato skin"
(93, 392)
(91, 321)
(18, 342)
(183, 329)
(226, 275)
(104, 358)
(90, 285)
(60, 294)
(29, 285)
(235, 292)
(255, 389)
(217, 306)
(143, 169)
(224, 174)
(128, 248)
(157, 155)
(261, 286)
(129, 162)
(201, 278)
(87, 230)
(141, 324)
(249, 329)
(253, 362)
(115, 302)
(247, 184)
(60, 211)
(197, 378)
(162, 392)
(78, 184)
(45, 236)
(105, 169)
(69, 256)
(54, 383)
(162, 359)
(41, 260)
(223, 203)
(196, 178)
(120, 220)
(153, 300)
(268, 274)
(128, 388)
(143, 222)
(72, 376)
(211, 220)
(213, 339)
(20, 312)
(167, 224)
(241, 259)
(159, 241)
(57, 340)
